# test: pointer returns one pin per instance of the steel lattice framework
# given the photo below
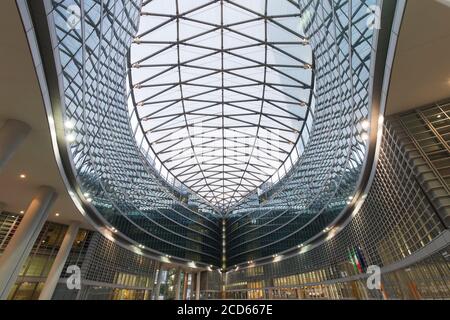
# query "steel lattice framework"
(222, 90)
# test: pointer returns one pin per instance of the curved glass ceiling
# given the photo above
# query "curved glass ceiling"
(222, 91)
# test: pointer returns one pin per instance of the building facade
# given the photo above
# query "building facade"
(222, 150)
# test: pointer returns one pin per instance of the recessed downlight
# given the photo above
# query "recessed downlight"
(70, 137)
(69, 124)
(365, 124)
(364, 136)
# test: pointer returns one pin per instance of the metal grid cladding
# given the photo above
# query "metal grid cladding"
(105, 261)
(93, 38)
(120, 185)
(397, 219)
(222, 91)
(323, 182)
(425, 133)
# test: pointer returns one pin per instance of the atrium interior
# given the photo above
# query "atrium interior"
(225, 149)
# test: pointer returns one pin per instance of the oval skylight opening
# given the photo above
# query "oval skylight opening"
(221, 93)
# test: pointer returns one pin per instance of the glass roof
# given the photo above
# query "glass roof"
(222, 91)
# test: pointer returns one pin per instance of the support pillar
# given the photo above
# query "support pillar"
(192, 287)
(197, 286)
(157, 289)
(58, 264)
(178, 284)
(22, 242)
(185, 286)
(12, 134)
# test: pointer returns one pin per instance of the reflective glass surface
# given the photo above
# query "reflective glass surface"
(321, 185)
(117, 183)
(221, 91)
(270, 208)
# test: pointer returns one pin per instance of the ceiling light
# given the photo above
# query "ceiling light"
(365, 124)
(277, 258)
(23, 176)
(57, 214)
(69, 124)
(22, 212)
(70, 137)
(364, 136)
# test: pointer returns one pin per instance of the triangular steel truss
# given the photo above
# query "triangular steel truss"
(222, 90)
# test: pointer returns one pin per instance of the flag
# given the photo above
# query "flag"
(361, 259)
(357, 262)
(350, 256)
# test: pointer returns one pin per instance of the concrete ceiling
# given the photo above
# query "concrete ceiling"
(21, 99)
(421, 71)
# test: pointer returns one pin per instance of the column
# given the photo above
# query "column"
(355, 291)
(191, 287)
(403, 284)
(299, 294)
(23, 240)
(270, 286)
(185, 286)
(178, 284)
(60, 260)
(12, 134)
(157, 288)
(197, 286)
(270, 293)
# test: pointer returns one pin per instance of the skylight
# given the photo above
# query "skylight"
(222, 91)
